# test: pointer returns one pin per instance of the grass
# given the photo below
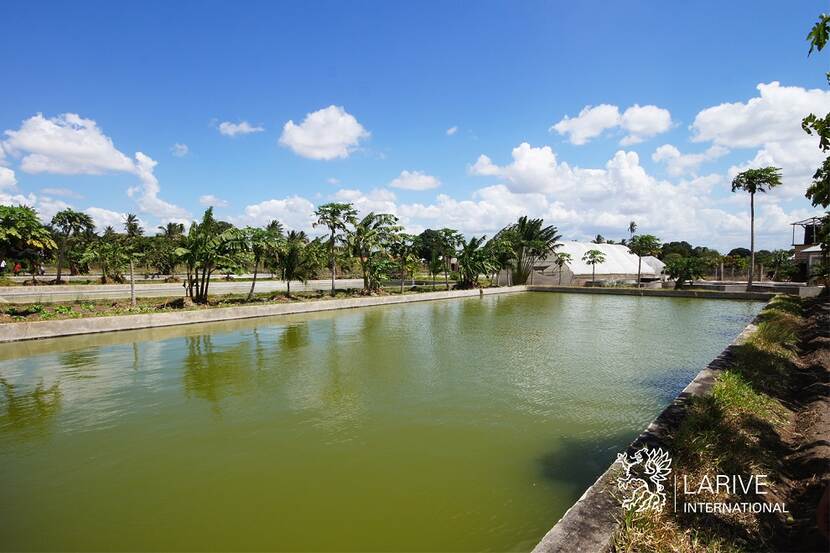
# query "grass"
(736, 429)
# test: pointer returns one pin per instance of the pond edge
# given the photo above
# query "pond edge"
(589, 524)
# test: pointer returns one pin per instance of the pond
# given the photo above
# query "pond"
(463, 425)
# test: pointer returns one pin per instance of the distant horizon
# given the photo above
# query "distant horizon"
(447, 115)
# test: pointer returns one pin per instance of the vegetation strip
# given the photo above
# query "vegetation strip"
(11, 332)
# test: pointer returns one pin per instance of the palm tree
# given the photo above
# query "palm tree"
(370, 238)
(473, 261)
(632, 228)
(171, 230)
(209, 244)
(335, 217)
(298, 258)
(752, 181)
(450, 240)
(593, 258)
(263, 243)
(132, 226)
(531, 241)
(642, 245)
(403, 247)
(501, 248)
(561, 260)
(69, 225)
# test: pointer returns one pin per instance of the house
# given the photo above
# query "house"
(808, 251)
(620, 265)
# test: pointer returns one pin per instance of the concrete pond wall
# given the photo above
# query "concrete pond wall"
(11, 332)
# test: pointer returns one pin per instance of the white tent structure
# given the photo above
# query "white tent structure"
(619, 265)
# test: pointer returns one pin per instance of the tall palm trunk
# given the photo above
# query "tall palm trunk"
(253, 283)
(447, 274)
(751, 239)
(593, 274)
(331, 254)
(132, 283)
(403, 275)
(60, 263)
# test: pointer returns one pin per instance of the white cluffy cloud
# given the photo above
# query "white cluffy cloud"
(209, 200)
(71, 145)
(640, 122)
(243, 127)
(67, 144)
(681, 164)
(415, 180)
(104, 218)
(295, 212)
(452, 130)
(770, 122)
(329, 133)
(179, 150)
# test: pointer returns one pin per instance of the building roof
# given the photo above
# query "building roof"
(812, 249)
(618, 259)
(654, 263)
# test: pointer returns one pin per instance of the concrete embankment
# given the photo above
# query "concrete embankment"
(77, 292)
(10, 332)
(589, 525)
(657, 292)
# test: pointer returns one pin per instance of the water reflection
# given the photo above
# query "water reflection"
(213, 373)
(29, 412)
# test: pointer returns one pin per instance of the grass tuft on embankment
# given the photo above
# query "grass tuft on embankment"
(737, 429)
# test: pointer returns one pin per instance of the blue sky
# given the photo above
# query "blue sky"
(147, 76)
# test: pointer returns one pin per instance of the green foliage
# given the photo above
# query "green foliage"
(369, 242)
(530, 241)
(299, 259)
(757, 180)
(336, 217)
(23, 236)
(208, 246)
(474, 259)
(683, 269)
(110, 256)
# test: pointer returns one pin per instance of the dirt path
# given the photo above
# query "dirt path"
(806, 469)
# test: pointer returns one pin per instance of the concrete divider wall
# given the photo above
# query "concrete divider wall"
(657, 292)
(10, 332)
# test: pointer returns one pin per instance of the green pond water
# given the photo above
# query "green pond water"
(455, 425)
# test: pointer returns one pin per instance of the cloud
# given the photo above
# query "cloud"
(415, 180)
(294, 212)
(681, 164)
(333, 181)
(326, 134)
(8, 180)
(641, 122)
(590, 123)
(146, 195)
(243, 127)
(64, 192)
(452, 130)
(104, 218)
(179, 150)
(210, 200)
(71, 145)
(770, 122)
(67, 144)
